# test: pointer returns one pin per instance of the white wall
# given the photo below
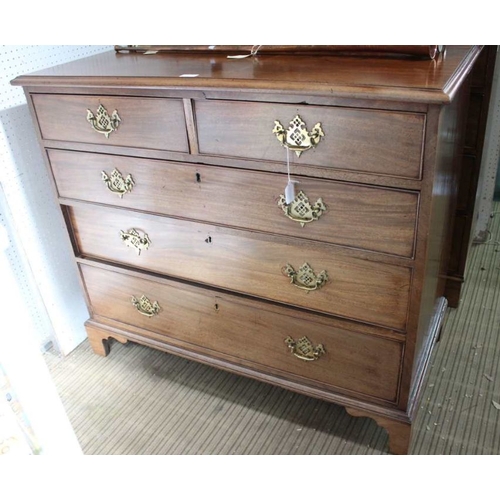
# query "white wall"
(47, 278)
(40, 295)
(37, 409)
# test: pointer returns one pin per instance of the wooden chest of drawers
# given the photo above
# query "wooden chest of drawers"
(172, 188)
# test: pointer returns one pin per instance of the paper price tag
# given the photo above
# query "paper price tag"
(290, 192)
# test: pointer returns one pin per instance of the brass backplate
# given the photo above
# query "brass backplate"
(103, 123)
(297, 138)
(132, 238)
(305, 278)
(304, 349)
(301, 210)
(145, 306)
(116, 183)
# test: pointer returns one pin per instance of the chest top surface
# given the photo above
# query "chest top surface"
(431, 81)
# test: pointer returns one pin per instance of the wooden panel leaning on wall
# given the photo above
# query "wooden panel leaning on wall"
(173, 190)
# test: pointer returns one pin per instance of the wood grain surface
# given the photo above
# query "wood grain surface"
(382, 142)
(357, 216)
(240, 328)
(352, 77)
(145, 123)
(249, 263)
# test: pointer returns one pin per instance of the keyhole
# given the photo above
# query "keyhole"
(198, 177)
(208, 240)
(216, 306)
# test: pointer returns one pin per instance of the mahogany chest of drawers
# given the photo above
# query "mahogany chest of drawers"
(171, 171)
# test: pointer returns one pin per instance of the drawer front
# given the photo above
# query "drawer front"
(375, 141)
(245, 262)
(369, 218)
(247, 332)
(143, 122)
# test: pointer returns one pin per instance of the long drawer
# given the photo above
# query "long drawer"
(249, 333)
(313, 276)
(346, 214)
(150, 123)
(363, 140)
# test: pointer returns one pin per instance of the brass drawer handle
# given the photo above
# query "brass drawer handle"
(132, 238)
(301, 210)
(305, 278)
(145, 306)
(296, 137)
(103, 123)
(304, 349)
(118, 184)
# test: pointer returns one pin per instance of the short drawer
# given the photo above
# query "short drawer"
(370, 218)
(313, 276)
(149, 123)
(246, 331)
(363, 140)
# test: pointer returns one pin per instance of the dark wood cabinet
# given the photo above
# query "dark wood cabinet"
(466, 210)
(172, 186)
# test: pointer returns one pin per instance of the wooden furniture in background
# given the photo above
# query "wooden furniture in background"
(466, 210)
(170, 169)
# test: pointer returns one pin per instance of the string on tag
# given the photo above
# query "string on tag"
(288, 164)
(253, 52)
(290, 187)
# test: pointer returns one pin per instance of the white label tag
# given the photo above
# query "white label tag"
(290, 192)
